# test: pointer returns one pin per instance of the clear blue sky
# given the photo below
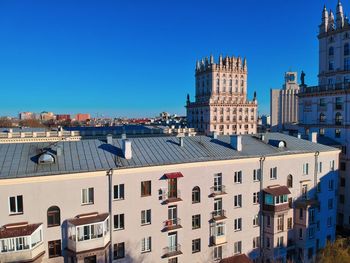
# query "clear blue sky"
(137, 58)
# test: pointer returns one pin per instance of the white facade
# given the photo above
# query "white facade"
(284, 103)
(221, 103)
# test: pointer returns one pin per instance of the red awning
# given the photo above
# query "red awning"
(173, 175)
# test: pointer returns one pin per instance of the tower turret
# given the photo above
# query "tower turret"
(220, 60)
(324, 24)
(331, 25)
(340, 15)
(211, 59)
(245, 66)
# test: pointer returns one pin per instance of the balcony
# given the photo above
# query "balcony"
(217, 240)
(171, 224)
(21, 242)
(276, 208)
(88, 231)
(171, 197)
(172, 251)
(218, 215)
(276, 199)
(217, 190)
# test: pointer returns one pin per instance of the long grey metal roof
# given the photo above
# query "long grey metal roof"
(21, 159)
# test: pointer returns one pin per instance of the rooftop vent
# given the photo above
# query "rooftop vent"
(109, 139)
(215, 135)
(236, 142)
(46, 158)
(278, 143)
(181, 137)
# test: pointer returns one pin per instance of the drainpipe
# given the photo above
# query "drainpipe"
(109, 173)
(315, 173)
(261, 217)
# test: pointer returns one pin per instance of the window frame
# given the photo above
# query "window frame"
(57, 247)
(90, 193)
(146, 217)
(18, 209)
(146, 188)
(118, 192)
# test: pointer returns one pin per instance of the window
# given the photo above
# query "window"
(273, 173)
(119, 251)
(342, 181)
(256, 220)
(280, 242)
(238, 247)
(304, 191)
(172, 260)
(268, 243)
(322, 117)
(310, 252)
(329, 221)
(290, 181)
(331, 185)
(119, 222)
(300, 233)
(146, 217)
(301, 213)
(53, 216)
(331, 51)
(323, 103)
(343, 149)
(196, 221)
(118, 192)
(87, 196)
(342, 166)
(338, 118)
(238, 201)
(330, 203)
(218, 253)
(331, 165)
(331, 65)
(16, 204)
(55, 248)
(311, 216)
(196, 195)
(341, 199)
(256, 175)
(320, 167)
(196, 245)
(346, 65)
(238, 177)
(290, 223)
(220, 229)
(238, 224)
(146, 244)
(346, 49)
(256, 198)
(256, 242)
(337, 133)
(145, 188)
(305, 169)
(268, 221)
(280, 223)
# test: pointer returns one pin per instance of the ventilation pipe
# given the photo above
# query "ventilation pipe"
(127, 149)
(236, 142)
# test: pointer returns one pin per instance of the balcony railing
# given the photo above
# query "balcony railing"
(170, 197)
(276, 208)
(172, 224)
(172, 251)
(324, 88)
(218, 214)
(217, 190)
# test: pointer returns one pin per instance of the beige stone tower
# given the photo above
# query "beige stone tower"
(221, 103)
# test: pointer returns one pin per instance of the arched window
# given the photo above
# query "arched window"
(196, 195)
(346, 49)
(322, 117)
(331, 51)
(338, 119)
(290, 181)
(53, 216)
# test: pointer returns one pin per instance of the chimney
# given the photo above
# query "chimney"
(299, 136)
(127, 149)
(215, 135)
(181, 142)
(313, 137)
(109, 139)
(236, 142)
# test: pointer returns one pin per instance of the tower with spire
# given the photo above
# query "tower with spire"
(221, 103)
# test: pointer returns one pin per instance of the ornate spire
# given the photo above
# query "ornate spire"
(340, 15)
(245, 66)
(220, 60)
(211, 59)
(331, 25)
(324, 24)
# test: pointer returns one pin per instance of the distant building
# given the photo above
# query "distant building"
(63, 117)
(82, 117)
(26, 115)
(47, 116)
(284, 103)
(325, 108)
(221, 103)
(266, 120)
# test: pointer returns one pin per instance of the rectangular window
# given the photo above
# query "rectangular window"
(273, 173)
(331, 185)
(196, 245)
(238, 201)
(311, 216)
(146, 217)
(218, 253)
(238, 177)
(268, 221)
(338, 103)
(118, 192)
(256, 242)
(280, 242)
(300, 233)
(238, 247)
(145, 188)
(342, 166)
(337, 133)
(268, 243)
(341, 199)
(320, 167)
(54, 248)
(256, 175)
(310, 252)
(87, 196)
(330, 203)
(256, 220)
(118, 222)
(238, 224)
(305, 169)
(331, 165)
(196, 221)
(290, 223)
(329, 221)
(342, 181)
(146, 244)
(16, 204)
(119, 251)
(256, 198)
(311, 233)
(280, 223)
(301, 213)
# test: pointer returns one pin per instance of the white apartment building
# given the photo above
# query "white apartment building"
(284, 103)
(221, 103)
(266, 198)
(325, 108)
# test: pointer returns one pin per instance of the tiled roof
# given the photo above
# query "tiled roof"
(20, 159)
(22, 229)
(88, 219)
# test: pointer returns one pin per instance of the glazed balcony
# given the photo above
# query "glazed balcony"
(21, 242)
(218, 239)
(87, 232)
(171, 224)
(217, 190)
(172, 251)
(276, 199)
(218, 215)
